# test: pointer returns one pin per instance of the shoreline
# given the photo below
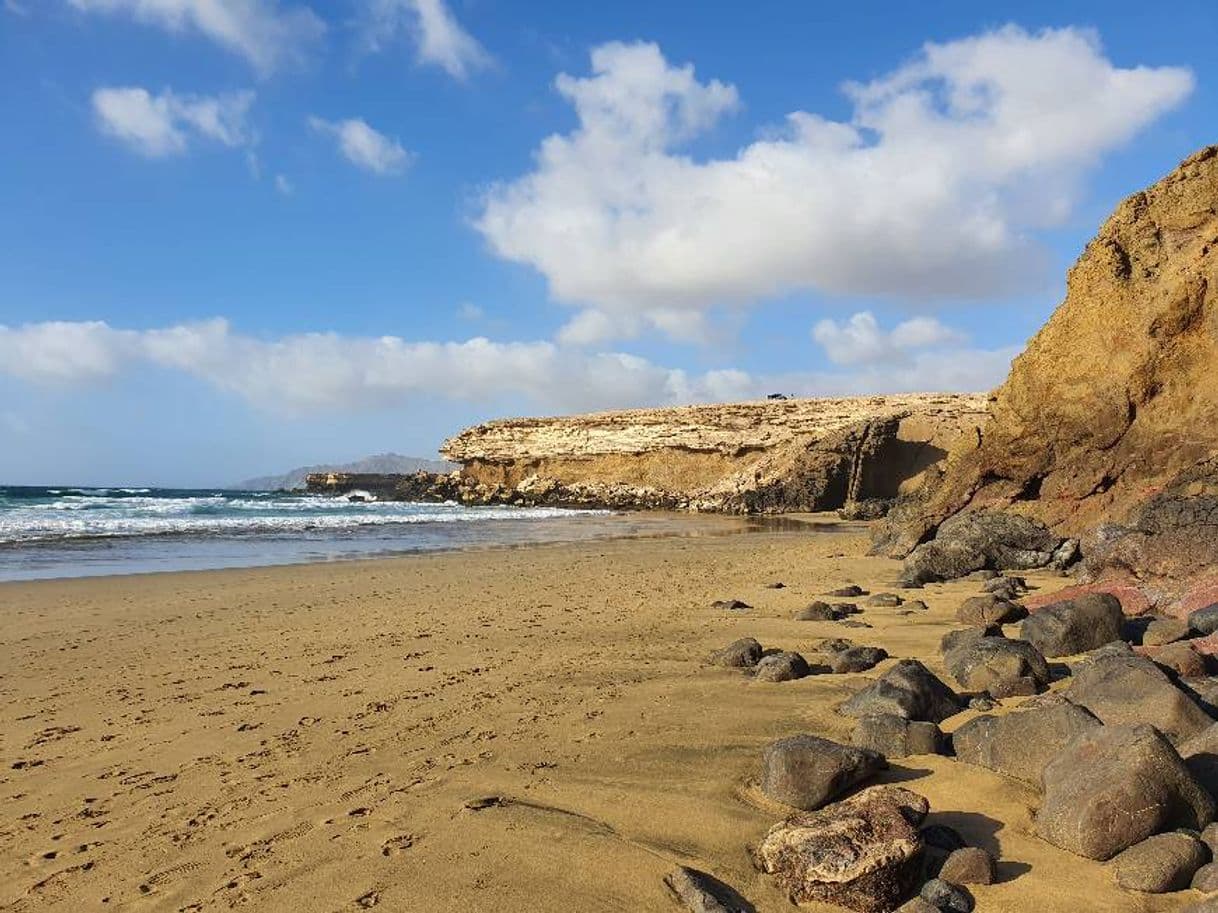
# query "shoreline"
(313, 736)
(295, 549)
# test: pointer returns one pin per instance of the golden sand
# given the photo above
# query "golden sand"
(311, 738)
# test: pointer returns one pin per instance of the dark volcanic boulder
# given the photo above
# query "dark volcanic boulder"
(863, 853)
(989, 610)
(968, 865)
(908, 690)
(1200, 754)
(946, 897)
(739, 654)
(884, 600)
(896, 737)
(849, 591)
(1204, 621)
(1000, 667)
(781, 667)
(1115, 786)
(1165, 631)
(806, 771)
(1180, 659)
(977, 539)
(1021, 744)
(817, 611)
(1165, 862)
(856, 659)
(1074, 625)
(953, 640)
(1132, 689)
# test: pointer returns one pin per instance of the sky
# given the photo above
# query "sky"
(238, 236)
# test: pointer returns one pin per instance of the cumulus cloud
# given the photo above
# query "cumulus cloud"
(860, 340)
(327, 371)
(933, 189)
(267, 33)
(363, 146)
(439, 38)
(162, 125)
(309, 372)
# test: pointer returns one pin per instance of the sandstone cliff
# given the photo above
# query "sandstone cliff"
(1107, 427)
(759, 457)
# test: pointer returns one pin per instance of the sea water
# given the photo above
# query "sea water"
(63, 531)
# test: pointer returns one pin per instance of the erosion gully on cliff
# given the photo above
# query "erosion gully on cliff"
(770, 456)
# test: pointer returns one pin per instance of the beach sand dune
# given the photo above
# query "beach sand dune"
(528, 729)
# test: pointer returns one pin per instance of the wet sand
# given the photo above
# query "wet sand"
(311, 738)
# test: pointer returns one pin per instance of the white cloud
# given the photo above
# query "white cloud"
(933, 189)
(16, 8)
(860, 340)
(365, 147)
(439, 38)
(312, 372)
(161, 125)
(265, 32)
(283, 185)
(467, 310)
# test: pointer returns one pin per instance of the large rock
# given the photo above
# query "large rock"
(1180, 659)
(863, 854)
(1200, 754)
(896, 737)
(988, 610)
(979, 539)
(1115, 786)
(1132, 689)
(1162, 631)
(1204, 620)
(739, 654)
(998, 666)
(1022, 743)
(1074, 625)
(1107, 426)
(781, 667)
(703, 893)
(857, 659)
(908, 690)
(806, 771)
(1165, 862)
(969, 865)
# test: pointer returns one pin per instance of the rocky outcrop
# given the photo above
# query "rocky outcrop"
(771, 456)
(1107, 427)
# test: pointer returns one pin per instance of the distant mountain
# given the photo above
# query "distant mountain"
(380, 463)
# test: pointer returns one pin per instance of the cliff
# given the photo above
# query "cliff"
(759, 457)
(1107, 427)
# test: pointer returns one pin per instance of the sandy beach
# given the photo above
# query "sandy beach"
(520, 729)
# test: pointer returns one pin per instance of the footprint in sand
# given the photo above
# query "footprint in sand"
(399, 844)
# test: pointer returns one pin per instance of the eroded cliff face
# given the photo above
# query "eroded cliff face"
(1107, 427)
(759, 457)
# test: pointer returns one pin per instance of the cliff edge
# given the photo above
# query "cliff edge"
(1107, 427)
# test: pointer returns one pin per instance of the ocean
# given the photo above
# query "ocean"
(74, 532)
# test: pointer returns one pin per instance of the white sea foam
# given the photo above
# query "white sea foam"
(73, 514)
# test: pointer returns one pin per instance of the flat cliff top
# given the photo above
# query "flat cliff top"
(721, 428)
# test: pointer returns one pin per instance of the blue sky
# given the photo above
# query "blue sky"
(242, 235)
